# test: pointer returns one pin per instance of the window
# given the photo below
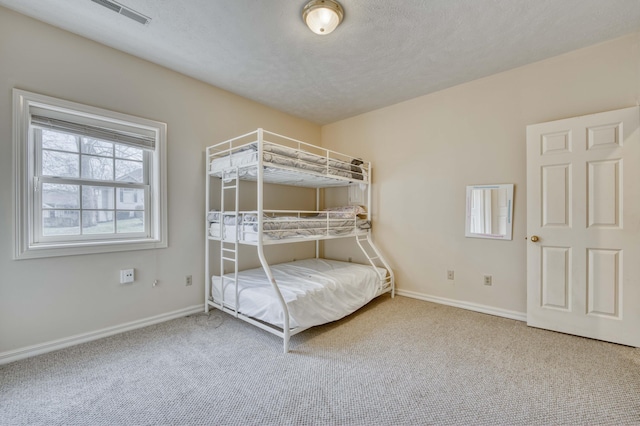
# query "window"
(87, 180)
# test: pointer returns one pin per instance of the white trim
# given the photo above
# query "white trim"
(505, 313)
(54, 345)
(94, 247)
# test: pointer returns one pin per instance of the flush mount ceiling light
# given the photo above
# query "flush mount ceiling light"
(322, 16)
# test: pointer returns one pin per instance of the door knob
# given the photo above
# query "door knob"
(534, 238)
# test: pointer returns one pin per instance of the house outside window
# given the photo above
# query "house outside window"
(88, 180)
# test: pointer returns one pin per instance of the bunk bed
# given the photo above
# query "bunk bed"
(287, 298)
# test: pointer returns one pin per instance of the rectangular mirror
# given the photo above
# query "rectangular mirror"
(489, 211)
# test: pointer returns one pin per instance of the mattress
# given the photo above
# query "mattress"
(316, 291)
(283, 227)
(278, 155)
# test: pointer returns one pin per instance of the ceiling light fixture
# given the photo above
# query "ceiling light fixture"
(322, 16)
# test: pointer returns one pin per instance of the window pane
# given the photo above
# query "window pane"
(130, 199)
(98, 168)
(97, 147)
(59, 141)
(129, 171)
(60, 164)
(57, 196)
(130, 221)
(97, 197)
(97, 222)
(60, 222)
(129, 152)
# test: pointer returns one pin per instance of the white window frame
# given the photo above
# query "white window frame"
(27, 214)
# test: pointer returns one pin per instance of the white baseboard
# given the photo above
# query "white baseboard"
(519, 316)
(54, 345)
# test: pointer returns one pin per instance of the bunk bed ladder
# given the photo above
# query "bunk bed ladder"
(207, 259)
(229, 249)
(373, 255)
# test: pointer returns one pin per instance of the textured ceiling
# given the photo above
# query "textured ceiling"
(384, 52)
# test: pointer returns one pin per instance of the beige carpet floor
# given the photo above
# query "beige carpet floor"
(396, 361)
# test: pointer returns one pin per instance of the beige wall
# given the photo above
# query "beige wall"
(47, 299)
(426, 150)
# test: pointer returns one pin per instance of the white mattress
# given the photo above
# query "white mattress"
(316, 291)
(278, 228)
(284, 156)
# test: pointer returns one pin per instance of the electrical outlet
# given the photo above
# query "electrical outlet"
(188, 280)
(450, 275)
(487, 279)
(127, 276)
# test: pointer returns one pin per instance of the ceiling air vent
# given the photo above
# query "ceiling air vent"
(124, 11)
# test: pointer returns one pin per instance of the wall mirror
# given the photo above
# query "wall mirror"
(489, 211)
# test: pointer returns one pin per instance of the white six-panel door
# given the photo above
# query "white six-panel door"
(583, 208)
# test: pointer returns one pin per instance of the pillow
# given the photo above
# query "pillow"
(284, 151)
(343, 212)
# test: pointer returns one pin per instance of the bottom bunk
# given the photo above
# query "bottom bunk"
(316, 291)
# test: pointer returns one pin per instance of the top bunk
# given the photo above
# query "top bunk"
(282, 160)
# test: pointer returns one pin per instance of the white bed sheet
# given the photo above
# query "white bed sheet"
(316, 291)
(229, 231)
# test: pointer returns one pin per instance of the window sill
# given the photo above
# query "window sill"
(76, 248)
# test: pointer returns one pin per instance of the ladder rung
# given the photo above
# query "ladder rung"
(228, 258)
(229, 250)
(230, 187)
(374, 258)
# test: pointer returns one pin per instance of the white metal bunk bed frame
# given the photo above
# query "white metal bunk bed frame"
(230, 180)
